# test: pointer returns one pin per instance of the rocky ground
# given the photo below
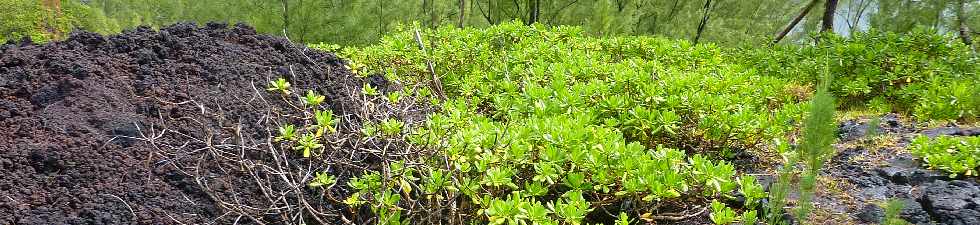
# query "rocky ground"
(174, 126)
(871, 169)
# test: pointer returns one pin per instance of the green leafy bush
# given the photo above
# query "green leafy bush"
(545, 125)
(956, 155)
(925, 74)
(28, 18)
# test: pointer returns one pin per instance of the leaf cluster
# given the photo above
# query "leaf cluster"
(956, 155)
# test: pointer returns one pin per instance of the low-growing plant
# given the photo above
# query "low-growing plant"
(369, 129)
(722, 214)
(893, 210)
(279, 85)
(622, 219)
(286, 133)
(780, 190)
(394, 97)
(322, 179)
(307, 144)
(369, 90)
(312, 99)
(749, 217)
(921, 73)
(532, 112)
(717, 177)
(357, 69)
(324, 122)
(874, 125)
(956, 155)
(391, 127)
(555, 120)
(571, 207)
(751, 190)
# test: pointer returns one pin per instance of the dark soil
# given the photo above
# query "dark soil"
(173, 126)
(867, 171)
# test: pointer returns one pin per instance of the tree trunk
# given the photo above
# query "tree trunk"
(305, 18)
(490, 12)
(533, 11)
(433, 15)
(704, 21)
(462, 13)
(828, 16)
(963, 28)
(795, 21)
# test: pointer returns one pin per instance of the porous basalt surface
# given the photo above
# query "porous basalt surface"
(868, 171)
(173, 126)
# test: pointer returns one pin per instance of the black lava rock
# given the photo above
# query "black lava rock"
(852, 130)
(913, 212)
(871, 213)
(955, 202)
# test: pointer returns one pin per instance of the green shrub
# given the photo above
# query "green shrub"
(548, 124)
(28, 18)
(925, 74)
(21, 20)
(956, 155)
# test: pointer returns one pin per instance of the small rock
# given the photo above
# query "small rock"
(766, 181)
(905, 170)
(952, 202)
(895, 174)
(912, 212)
(949, 203)
(971, 132)
(934, 132)
(871, 213)
(891, 120)
(920, 176)
(851, 130)
(969, 187)
(875, 192)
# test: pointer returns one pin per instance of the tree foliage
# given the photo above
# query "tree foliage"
(50, 19)
(359, 22)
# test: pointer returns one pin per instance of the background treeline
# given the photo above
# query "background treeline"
(359, 22)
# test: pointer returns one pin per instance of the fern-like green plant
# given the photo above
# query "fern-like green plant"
(819, 133)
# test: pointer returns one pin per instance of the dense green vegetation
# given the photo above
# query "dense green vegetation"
(362, 22)
(629, 110)
(956, 155)
(920, 73)
(551, 124)
(46, 20)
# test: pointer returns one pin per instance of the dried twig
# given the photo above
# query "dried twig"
(436, 83)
